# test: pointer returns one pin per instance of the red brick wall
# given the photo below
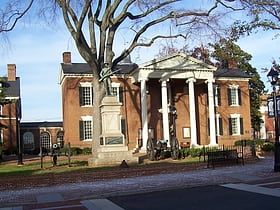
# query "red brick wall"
(9, 120)
(72, 112)
(225, 110)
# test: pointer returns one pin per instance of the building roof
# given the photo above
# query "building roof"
(83, 68)
(12, 88)
(41, 124)
(228, 72)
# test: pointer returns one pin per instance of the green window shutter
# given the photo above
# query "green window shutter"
(221, 126)
(81, 96)
(239, 97)
(219, 96)
(81, 125)
(121, 93)
(229, 96)
(230, 126)
(241, 126)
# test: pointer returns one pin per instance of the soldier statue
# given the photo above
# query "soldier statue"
(105, 74)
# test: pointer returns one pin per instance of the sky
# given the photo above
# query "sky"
(37, 52)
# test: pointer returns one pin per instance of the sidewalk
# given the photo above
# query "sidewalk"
(249, 174)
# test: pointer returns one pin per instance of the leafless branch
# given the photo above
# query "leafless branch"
(10, 18)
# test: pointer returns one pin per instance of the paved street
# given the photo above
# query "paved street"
(253, 181)
(205, 197)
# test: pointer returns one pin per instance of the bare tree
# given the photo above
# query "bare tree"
(263, 14)
(11, 12)
(96, 24)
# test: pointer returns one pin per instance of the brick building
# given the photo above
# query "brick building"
(10, 109)
(28, 134)
(32, 134)
(212, 105)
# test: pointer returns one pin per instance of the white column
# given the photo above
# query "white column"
(144, 115)
(192, 112)
(164, 104)
(211, 108)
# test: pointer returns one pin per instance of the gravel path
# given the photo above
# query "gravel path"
(95, 189)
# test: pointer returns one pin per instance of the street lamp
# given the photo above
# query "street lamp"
(273, 76)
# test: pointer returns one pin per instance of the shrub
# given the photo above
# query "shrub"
(259, 142)
(246, 142)
(10, 151)
(267, 147)
(185, 152)
(63, 150)
(251, 143)
(76, 151)
(86, 151)
(195, 152)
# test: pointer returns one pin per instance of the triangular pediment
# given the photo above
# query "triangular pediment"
(177, 61)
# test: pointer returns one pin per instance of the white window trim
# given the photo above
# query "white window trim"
(89, 85)
(116, 85)
(236, 116)
(85, 84)
(88, 118)
(50, 143)
(235, 87)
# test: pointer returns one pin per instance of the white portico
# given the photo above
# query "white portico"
(167, 71)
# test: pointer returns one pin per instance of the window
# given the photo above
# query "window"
(86, 128)
(234, 95)
(85, 94)
(45, 141)
(60, 140)
(235, 125)
(117, 90)
(28, 141)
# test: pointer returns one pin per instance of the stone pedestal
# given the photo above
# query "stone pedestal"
(113, 148)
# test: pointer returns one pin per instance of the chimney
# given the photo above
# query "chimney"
(11, 72)
(66, 57)
(232, 64)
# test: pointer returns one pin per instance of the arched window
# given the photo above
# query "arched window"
(28, 141)
(60, 140)
(45, 140)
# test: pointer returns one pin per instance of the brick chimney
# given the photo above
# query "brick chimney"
(11, 72)
(232, 63)
(66, 57)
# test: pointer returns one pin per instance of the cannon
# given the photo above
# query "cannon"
(154, 150)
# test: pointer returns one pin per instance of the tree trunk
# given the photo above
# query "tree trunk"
(98, 95)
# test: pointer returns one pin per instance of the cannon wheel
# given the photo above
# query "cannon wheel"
(150, 150)
(174, 148)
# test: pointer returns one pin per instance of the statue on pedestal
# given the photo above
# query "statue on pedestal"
(105, 74)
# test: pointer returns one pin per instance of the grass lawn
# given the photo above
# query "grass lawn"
(8, 170)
